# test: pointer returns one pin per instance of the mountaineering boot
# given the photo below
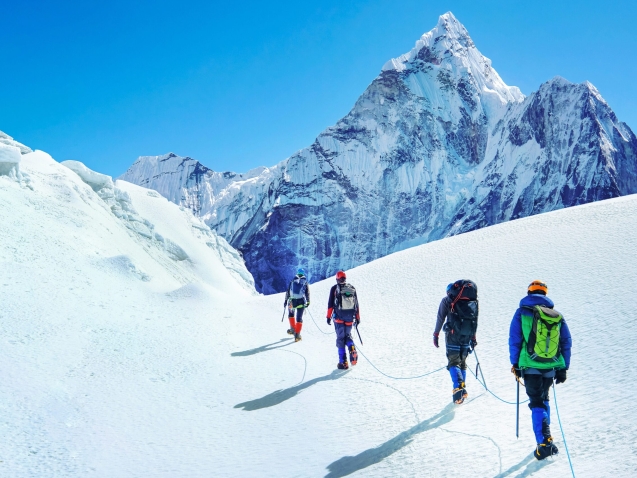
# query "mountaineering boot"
(353, 355)
(545, 449)
(465, 394)
(342, 365)
(291, 332)
(458, 395)
(297, 331)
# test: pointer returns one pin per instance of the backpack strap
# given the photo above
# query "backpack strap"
(457, 297)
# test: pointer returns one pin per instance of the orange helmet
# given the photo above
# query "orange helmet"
(538, 286)
(340, 275)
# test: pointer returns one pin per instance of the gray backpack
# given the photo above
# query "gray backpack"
(345, 297)
(297, 288)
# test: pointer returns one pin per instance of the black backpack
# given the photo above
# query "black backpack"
(463, 314)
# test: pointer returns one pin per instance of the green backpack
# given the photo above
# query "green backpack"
(544, 339)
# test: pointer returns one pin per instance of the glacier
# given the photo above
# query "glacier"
(437, 145)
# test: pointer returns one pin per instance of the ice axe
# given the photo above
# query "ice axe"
(283, 316)
(479, 367)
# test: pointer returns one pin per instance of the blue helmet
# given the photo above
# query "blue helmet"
(300, 272)
(449, 287)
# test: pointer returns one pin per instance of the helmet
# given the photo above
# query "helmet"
(300, 272)
(340, 275)
(449, 287)
(538, 287)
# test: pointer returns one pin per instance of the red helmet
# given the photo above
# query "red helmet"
(340, 275)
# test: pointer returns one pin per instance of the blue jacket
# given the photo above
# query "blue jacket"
(516, 338)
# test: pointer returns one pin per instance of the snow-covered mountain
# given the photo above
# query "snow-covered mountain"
(128, 347)
(437, 145)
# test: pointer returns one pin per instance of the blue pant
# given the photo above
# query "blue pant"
(537, 388)
(343, 339)
(457, 353)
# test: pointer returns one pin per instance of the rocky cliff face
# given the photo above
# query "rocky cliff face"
(437, 145)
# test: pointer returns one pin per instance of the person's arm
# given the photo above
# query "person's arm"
(287, 295)
(516, 338)
(330, 303)
(566, 343)
(307, 294)
(443, 311)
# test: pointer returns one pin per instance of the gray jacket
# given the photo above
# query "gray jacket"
(443, 311)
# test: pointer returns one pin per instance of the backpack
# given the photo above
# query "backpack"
(345, 297)
(463, 316)
(544, 338)
(297, 288)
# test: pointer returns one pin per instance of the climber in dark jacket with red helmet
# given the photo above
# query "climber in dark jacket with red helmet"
(343, 308)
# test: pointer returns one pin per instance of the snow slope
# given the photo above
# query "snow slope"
(122, 357)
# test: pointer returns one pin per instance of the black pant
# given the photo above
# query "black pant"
(537, 388)
(299, 313)
(457, 350)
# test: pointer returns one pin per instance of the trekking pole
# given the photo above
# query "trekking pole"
(478, 366)
(283, 316)
(517, 411)
(359, 334)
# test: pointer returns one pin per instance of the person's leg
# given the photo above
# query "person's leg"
(535, 390)
(292, 329)
(349, 342)
(348, 336)
(453, 366)
(453, 361)
(299, 320)
(340, 342)
(546, 384)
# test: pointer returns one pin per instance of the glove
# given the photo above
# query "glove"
(308, 304)
(436, 340)
(357, 321)
(473, 342)
(329, 321)
(560, 375)
(515, 370)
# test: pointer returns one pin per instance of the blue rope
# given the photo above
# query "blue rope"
(317, 325)
(557, 412)
(485, 387)
(398, 378)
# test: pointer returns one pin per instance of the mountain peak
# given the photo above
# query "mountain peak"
(449, 47)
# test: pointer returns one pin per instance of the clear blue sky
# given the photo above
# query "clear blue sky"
(243, 84)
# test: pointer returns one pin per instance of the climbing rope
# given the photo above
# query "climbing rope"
(557, 412)
(317, 325)
(483, 383)
(372, 363)
(397, 378)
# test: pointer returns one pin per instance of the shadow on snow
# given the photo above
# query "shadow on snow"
(529, 464)
(263, 348)
(350, 464)
(281, 396)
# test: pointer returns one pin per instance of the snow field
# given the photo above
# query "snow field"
(119, 359)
